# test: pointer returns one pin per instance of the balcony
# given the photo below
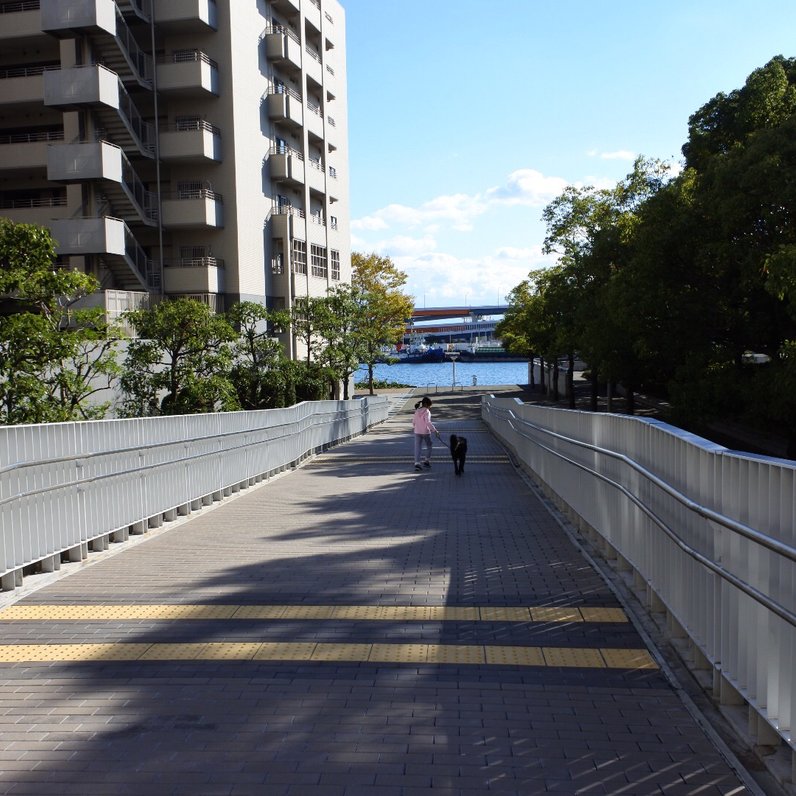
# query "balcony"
(112, 41)
(101, 160)
(24, 84)
(190, 72)
(26, 151)
(289, 8)
(193, 206)
(98, 88)
(188, 15)
(196, 275)
(20, 20)
(284, 105)
(283, 221)
(314, 122)
(312, 13)
(286, 165)
(313, 65)
(316, 178)
(40, 210)
(191, 140)
(283, 47)
(111, 239)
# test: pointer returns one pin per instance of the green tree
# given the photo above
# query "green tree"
(54, 358)
(384, 308)
(340, 316)
(258, 372)
(180, 363)
(306, 317)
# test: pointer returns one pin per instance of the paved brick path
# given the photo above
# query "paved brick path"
(327, 666)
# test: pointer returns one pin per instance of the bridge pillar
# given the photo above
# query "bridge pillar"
(51, 563)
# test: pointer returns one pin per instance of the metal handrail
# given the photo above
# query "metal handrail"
(28, 71)
(281, 29)
(286, 150)
(287, 210)
(195, 193)
(46, 201)
(186, 56)
(283, 89)
(197, 262)
(141, 60)
(22, 5)
(30, 138)
(193, 125)
(730, 524)
(313, 54)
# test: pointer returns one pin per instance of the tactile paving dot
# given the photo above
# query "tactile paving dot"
(500, 613)
(628, 659)
(341, 652)
(455, 653)
(285, 651)
(399, 653)
(307, 612)
(229, 651)
(259, 612)
(515, 656)
(604, 614)
(554, 614)
(116, 652)
(573, 657)
(174, 652)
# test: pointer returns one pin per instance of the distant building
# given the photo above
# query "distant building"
(180, 147)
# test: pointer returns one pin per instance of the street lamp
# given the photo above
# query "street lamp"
(454, 355)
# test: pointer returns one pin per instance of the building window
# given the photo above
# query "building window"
(335, 258)
(318, 261)
(277, 258)
(299, 257)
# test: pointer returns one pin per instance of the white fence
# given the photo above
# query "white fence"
(68, 487)
(710, 533)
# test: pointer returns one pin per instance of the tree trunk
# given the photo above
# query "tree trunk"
(542, 375)
(555, 380)
(530, 373)
(370, 378)
(610, 407)
(571, 381)
(595, 388)
(631, 399)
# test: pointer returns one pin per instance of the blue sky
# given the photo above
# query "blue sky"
(466, 118)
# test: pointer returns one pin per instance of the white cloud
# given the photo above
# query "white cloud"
(527, 187)
(619, 154)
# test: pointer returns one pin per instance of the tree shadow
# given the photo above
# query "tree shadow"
(352, 527)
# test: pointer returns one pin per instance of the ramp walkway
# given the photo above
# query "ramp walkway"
(350, 628)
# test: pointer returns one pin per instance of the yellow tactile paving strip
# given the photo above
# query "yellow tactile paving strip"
(464, 654)
(359, 613)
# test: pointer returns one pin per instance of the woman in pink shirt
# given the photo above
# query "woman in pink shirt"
(423, 428)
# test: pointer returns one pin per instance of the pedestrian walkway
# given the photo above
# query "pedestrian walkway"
(353, 628)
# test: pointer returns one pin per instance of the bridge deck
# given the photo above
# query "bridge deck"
(353, 627)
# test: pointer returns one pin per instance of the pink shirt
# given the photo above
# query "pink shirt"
(422, 421)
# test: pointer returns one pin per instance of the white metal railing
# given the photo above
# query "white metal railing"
(64, 485)
(711, 532)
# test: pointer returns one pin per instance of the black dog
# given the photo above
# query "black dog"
(458, 453)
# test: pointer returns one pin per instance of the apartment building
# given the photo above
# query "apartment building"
(180, 147)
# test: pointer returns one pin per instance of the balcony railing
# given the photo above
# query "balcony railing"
(191, 125)
(329, 70)
(22, 5)
(286, 150)
(314, 107)
(197, 262)
(183, 56)
(30, 138)
(277, 28)
(28, 71)
(332, 122)
(316, 164)
(38, 201)
(281, 88)
(194, 192)
(287, 210)
(313, 54)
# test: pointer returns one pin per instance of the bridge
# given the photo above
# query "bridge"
(275, 602)
(445, 313)
(475, 326)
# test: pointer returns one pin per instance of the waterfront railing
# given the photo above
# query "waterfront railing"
(707, 534)
(70, 488)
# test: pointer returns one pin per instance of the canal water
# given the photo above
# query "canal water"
(441, 374)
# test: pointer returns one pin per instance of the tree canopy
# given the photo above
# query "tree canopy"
(668, 283)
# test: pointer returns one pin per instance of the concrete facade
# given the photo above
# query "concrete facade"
(210, 134)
